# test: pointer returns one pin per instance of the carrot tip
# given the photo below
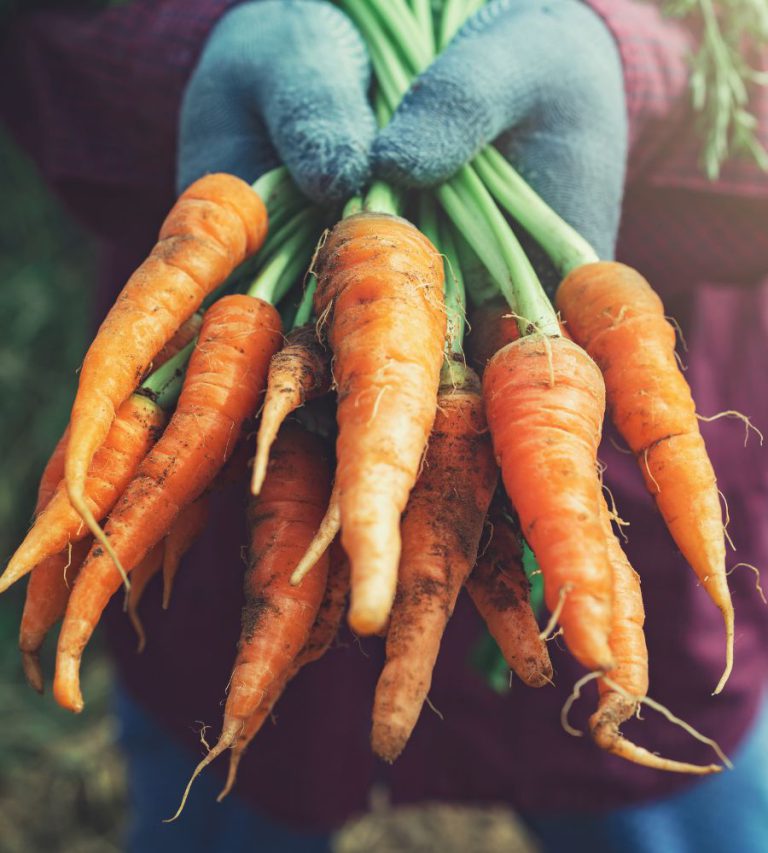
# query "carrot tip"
(66, 684)
(32, 670)
(729, 631)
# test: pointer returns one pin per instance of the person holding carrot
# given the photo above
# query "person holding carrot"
(590, 101)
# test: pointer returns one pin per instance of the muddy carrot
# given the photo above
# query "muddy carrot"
(500, 590)
(441, 530)
(277, 617)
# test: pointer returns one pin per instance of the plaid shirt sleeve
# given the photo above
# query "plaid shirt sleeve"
(94, 97)
(665, 141)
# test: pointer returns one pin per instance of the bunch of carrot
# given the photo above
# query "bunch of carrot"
(408, 509)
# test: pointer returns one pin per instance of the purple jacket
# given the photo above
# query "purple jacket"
(95, 100)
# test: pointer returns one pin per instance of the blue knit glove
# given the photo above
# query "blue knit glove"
(280, 80)
(541, 77)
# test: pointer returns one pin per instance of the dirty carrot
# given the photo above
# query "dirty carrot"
(320, 638)
(301, 371)
(140, 577)
(277, 617)
(46, 600)
(214, 225)
(224, 380)
(500, 591)
(133, 432)
(613, 312)
(544, 402)
(441, 529)
(380, 292)
(189, 524)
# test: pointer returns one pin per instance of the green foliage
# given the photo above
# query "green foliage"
(722, 75)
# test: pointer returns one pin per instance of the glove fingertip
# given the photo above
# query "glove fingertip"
(409, 164)
(334, 177)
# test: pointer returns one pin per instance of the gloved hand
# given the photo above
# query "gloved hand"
(280, 80)
(544, 79)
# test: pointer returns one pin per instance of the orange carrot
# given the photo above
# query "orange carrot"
(613, 312)
(224, 379)
(214, 225)
(47, 596)
(441, 530)
(500, 590)
(320, 638)
(52, 473)
(189, 524)
(277, 617)
(630, 674)
(141, 576)
(544, 402)
(133, 432)
(380, 289)
(301, 371)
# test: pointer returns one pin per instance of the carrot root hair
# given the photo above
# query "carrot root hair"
(228, 737)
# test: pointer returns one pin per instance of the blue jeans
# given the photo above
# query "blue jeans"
(727, 813)
(158, 771)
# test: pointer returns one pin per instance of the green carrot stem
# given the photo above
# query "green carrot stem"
(469, 221)
(454, 286)
(403, 29)
(382, 198)
(455, 295)
(164, 384)
(566, 248)
(304, 311)
(422, 12)
(278, 238)
(391, 76)
(522, 288)
(288, 262)
(479, 284)
(277, 188)
(353, 206)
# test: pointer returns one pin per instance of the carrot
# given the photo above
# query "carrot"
(133, 432)
(500, 591)
(46, 600)
(52, 473)
(214, 225)
(613, 312)
(189, 524)
(380, 286)
(184, 335)
(301, 371)
(441, 530)
(544, 402)
(224, 379)
(277, 617)
(630, 674)
(142, 575)
(320, 638)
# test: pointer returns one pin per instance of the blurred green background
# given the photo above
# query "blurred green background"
(61, 780)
